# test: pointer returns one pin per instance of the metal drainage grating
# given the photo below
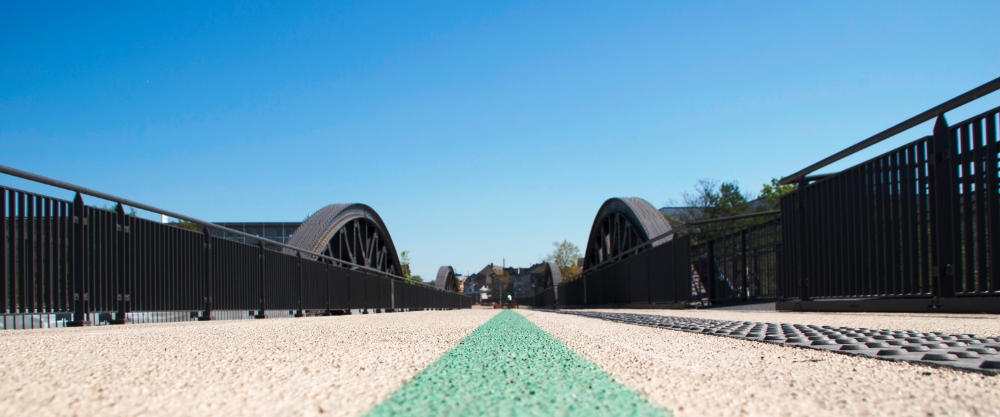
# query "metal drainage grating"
(968, 352)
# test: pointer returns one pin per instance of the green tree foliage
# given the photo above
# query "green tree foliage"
(404, 261)
(130, 212)
(184, 224)
(713, 199)
(565, 255)
(771, 193)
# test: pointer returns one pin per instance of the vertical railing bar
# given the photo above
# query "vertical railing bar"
(926, 246)
(870, 216)
(954, 163)
(827, 276)
(121, 227)
(907, 209)
(710, 279)
(885, 254)
(851, 237)
(942, 195)
(980, 230)
(261, 278)
(22, 259)
(893, 197)
(993, 203)
(35, 239)
(79, 296)
(4, 239)
(207, 250)
(835, 257)
(745, 291)
(45, 275)
(967, 248)
(882, 224)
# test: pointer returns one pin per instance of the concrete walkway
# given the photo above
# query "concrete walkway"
(347, 365)
(704, 375)
(276, 367)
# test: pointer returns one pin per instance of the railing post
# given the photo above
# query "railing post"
(260, 313)
(941, 190)
(207, 245)
(801, 243)
(365, 273)
(743, 259)
(711, 271)
(302, 280)
(80, 295)
(121, 276)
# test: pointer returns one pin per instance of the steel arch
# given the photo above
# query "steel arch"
(620, 224)
(446, 279)
(350, 232)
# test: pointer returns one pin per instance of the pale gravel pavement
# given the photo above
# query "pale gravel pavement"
(306, 366)
(986, 325)
(702, 375)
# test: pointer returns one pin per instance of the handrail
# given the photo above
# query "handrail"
(678, 229)
(940, 109)
(126, 202)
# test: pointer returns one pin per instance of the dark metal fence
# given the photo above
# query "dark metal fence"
(914, 229)
(658, 275)
(63, 262)
(922, 220)
(744, 265)
(543, 299)
(919, 222)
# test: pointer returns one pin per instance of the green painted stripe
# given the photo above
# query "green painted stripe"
(510, 367)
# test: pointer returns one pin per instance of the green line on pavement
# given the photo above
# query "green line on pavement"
(511, 367)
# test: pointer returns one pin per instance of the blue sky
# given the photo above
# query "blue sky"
(480, 131)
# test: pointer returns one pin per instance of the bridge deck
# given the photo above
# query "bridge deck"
(346, 365)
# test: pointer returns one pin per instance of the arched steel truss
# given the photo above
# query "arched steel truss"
(350, 232)
(622, 223)
(553, 275)
(446, 279)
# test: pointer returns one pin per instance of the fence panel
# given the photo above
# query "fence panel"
(638, 272)
(281, 281)
(34, 253)
(976, 198)
(620, 281)
(869, 231)
(235, 275)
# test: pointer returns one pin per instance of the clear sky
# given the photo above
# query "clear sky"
(479, 131)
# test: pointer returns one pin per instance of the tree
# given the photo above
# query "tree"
(713, 200)
(565, 256)
(771, 193)
(184, 224)
(404, 263)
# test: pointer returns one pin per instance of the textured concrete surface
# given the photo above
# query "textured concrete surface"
(983, 324)
(510, 367)
(967, 352)
(695, 374)
(307, 366)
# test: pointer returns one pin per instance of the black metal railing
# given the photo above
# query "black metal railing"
(657, 275)
(745, 263)
(920, 221)
(63, 262)
(741, 266)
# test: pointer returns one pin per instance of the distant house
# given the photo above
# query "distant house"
(519, 282)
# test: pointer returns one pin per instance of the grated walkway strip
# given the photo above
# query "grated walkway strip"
(511, 367)
(968, 352)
